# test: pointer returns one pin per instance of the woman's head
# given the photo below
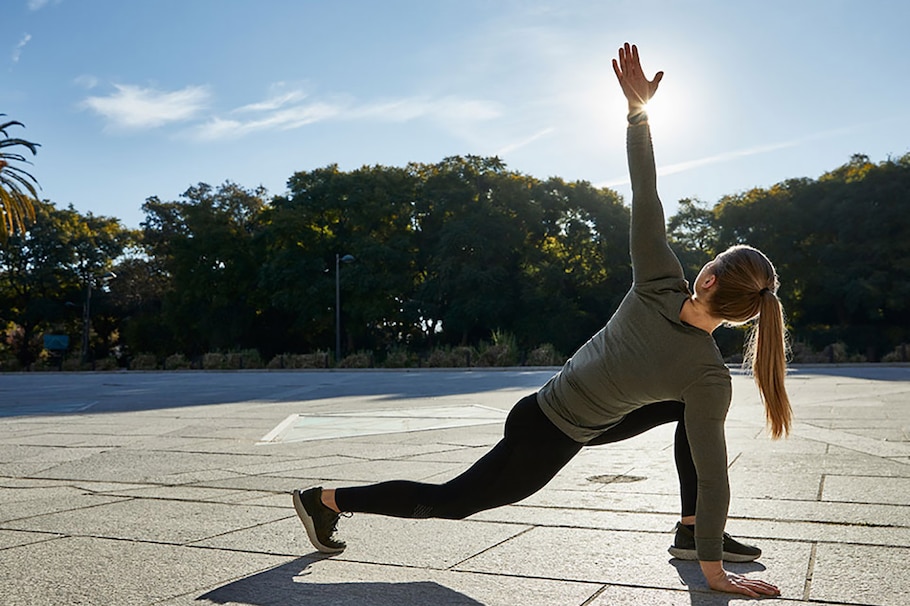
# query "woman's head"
(743, 286)
(744, 277)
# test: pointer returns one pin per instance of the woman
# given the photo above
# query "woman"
(654, 359)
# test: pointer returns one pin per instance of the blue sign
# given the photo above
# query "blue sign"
(56, 342)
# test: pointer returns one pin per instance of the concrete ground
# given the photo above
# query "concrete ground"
(172, 489)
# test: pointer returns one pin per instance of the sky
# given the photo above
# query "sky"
(140, 98)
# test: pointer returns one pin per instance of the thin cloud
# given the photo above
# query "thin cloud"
(286, 119)
(86, 81)
(412, 108)
(35, 5)
(724, 157)
(524, 142)
(17, 52)
(133, 108)
(751, 151)
(273, 103)
(281, 112)
(679, 167)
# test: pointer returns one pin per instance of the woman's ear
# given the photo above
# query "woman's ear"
(709, 281)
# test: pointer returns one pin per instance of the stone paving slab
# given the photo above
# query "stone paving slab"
(161, 493)
(91, 570)
(153, 520)
(876, 576)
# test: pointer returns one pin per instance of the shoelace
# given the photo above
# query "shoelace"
(345, 514)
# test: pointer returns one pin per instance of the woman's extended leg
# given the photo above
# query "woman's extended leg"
(531, 452)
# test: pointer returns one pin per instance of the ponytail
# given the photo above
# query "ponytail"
(767, 351)
(747, 289)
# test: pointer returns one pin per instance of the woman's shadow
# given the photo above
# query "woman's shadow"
(699, 593)
(283, 586)
(286, 585)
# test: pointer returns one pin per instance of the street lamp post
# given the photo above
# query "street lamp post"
(338, 260)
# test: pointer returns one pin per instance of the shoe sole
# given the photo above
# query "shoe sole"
(311, 527)
(690, 554)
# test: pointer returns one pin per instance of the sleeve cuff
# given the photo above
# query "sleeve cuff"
(709, 550)
(639, 117)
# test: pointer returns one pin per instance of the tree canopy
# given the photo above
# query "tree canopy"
(445, 255)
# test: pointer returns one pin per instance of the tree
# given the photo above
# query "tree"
(366, 213)
(205, 247)
(17, 187)
(692, 233)
(841, 247)
(576, 263)
(469, 229)
(44, 276)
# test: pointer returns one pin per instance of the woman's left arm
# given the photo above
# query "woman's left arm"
(705, 413)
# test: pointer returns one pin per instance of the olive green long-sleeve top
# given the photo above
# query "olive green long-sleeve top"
(646, 354)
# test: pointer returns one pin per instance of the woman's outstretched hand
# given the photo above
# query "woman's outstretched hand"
(721, 580)
(635, 86)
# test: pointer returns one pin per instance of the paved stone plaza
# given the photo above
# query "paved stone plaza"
(171, 489)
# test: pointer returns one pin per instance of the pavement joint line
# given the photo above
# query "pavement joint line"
(810, 571)
(233, 530)
(595, 595)
(669, 532)
(741, 518)
(503, 542)
(341, 559)
(821, 488)
(54, 536)
(81, 508)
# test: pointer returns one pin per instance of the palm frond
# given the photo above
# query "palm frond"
(17, 186)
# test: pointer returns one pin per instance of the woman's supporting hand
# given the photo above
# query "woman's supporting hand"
(721, 580)
(635, 86)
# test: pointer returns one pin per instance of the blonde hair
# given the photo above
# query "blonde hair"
(746, 289)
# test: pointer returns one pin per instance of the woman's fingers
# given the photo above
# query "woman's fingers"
(754, 587)
(764, 588)
(735, 583)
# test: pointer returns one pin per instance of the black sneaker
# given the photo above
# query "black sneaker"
(319, 520)
(684, 547)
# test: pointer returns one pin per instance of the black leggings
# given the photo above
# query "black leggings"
(532, 451)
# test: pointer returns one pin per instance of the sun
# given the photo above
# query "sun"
(672, 111)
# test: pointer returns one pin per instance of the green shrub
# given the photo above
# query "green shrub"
(9, 363)
(319, 359)
(503, 351)
(455, 357)
(900, 354)
(400, 357)
(802, 353)
(144, 362)
(213, 361)
(249, 358)
(72, 364)
(176, 362)
(545, 355)
(106, 364)
(361, 359)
